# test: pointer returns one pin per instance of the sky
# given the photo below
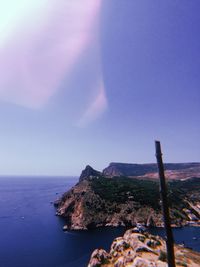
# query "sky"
(96, 83)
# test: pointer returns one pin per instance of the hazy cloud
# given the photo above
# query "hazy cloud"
(95, 109)
(40, 47)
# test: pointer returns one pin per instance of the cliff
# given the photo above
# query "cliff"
(172, 170)
(89, 173)
(98, 201)
(141, 250)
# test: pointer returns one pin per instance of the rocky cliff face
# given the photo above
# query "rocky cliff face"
(125, 169)
(89, 173)
(83, 208)
(98, 201)
(141, 250)
(173, 170)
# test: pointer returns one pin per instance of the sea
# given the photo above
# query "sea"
(32, 236)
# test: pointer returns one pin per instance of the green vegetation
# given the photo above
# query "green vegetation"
(141, 238)
(153, 243)
(126, 245)
(104, 261)
(155, 238)
(163, 256)
(146, 192)
(178, 214)
(123, 189)
(188, 188)
(181, 263)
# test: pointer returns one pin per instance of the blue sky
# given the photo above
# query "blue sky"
(98, 83)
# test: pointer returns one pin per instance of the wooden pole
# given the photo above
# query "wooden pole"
(165, 207)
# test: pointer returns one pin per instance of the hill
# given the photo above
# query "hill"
(172, 170)
(99, 201)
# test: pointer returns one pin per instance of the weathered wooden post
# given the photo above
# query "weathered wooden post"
(165, 207)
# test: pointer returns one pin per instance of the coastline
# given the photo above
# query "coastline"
(142, 249)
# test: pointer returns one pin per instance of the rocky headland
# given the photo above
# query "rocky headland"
(98, 200)
(141, 250)
(177, 171)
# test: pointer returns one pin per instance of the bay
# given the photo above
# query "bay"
(31, 235)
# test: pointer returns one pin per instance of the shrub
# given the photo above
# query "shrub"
(182, 263)
(126, 245)
(163, 256)
(153, 243)
(141, 238)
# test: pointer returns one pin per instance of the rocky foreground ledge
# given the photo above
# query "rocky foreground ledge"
(98, 201)
(141, 250)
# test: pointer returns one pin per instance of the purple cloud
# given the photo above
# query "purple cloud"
(41, 52)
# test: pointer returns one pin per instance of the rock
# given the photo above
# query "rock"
(119, 262)
(98, 257)
(140, 262)
(119, 244)
(65, 228)
(88, 173)
(56, 202)
(131, 250)
(78, 227)
(143, 249)
(127, 169)
(97, 201)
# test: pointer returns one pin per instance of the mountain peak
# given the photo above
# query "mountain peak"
(88, 172)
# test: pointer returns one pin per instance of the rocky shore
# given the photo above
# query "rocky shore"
(136, 249)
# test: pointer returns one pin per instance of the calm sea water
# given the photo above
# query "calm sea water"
(30, 234)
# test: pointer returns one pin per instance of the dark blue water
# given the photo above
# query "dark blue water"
(189, 236)
(31, 235)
